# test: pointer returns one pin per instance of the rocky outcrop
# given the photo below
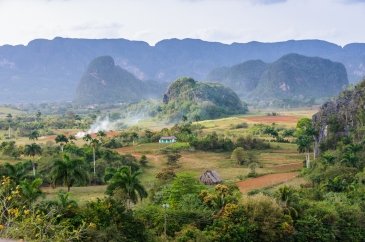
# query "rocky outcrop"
(200, 101)
(342, 115)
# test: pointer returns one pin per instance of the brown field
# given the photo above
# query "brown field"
(273, 119)
(265, 181)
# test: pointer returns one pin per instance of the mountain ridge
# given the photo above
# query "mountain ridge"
(50, 69)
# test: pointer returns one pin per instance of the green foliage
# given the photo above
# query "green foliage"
(199, 101)
(108, 220)
(69, 171)
(126, 180)
(182, 185)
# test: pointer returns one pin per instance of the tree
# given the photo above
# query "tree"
(243, 157)
(32, 150)
(305, 137)
(101, 135)
(172, 156)
(62, 139)
(143, 160)
(9, 118)
(31, 190)
(127, 180)
(18, 171)
(34, 135)
(38, 115)
(94, 144)
(68, 171)
(133, 136)
(238, 155)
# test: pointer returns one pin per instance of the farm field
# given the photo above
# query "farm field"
(279, 164)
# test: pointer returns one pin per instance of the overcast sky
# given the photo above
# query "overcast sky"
(338, 21)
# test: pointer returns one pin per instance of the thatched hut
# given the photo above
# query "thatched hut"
(210, 178)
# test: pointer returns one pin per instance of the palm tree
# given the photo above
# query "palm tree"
(33, 150)
(68, 171)
(127, 180)
(305, 134)
(31, 190)
(287, 197)
(62, 139)
(18, 171)
(101, 135)
(9, 119)
(34, 135)
(94, 144)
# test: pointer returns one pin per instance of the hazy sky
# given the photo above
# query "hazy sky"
(338, 21)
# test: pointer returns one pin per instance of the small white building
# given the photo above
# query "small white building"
(167, 139)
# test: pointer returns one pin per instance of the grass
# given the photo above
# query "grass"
(80, 194)
(282, 157)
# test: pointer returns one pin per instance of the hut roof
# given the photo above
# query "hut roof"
(210, 177)
(168, 137)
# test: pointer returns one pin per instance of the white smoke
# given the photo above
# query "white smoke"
(104, 124)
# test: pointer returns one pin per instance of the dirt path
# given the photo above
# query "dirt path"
(265, 181)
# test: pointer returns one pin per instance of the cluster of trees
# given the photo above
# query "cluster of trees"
(23, 125)
(24, 215)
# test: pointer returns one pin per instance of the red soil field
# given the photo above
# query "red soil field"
(287, 167)
(273, 119)
(265, 181)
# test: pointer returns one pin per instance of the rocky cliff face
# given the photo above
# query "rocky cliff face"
(341, 116)
(106, 82)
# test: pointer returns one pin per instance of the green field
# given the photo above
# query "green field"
(281, 157)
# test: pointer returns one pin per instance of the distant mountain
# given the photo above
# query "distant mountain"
(200, 101)
(105, 82)
(291, 76)
(297, 76)
(49, 70)
(243, 78)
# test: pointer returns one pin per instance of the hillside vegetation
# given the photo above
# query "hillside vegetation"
(192, 100)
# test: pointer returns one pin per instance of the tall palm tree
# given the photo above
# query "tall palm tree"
(94, 144)
(32, 150)
(127, 180)
(68, 171)
(31, 190)
(62, 139)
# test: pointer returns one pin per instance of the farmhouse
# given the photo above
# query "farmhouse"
(210, 178)
(167, 139)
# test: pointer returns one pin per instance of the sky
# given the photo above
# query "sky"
(227, 21)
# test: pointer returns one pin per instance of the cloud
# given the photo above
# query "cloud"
(264, 2)
(268, 1)
(352, 1)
